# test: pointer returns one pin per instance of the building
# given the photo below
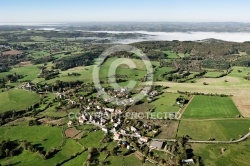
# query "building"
(117, 137)
(144, 139)
(156, 145)
(105, 130)
(188, 161)
(70, 123)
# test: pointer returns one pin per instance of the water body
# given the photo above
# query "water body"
(183, 36)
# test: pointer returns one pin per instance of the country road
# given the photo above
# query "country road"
(210, 142)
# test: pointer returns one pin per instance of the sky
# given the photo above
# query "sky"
(56, 11)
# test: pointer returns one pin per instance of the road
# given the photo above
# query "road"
(210, 142)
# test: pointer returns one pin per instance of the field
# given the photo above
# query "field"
(222, 130)
(29, 72)
(235, 154)
(29, 158)
(171, 54)
(166, 103)
(47, 136)
(213, 74)
(210, 107)
(242, 103)
(17, 100)
(92, 139)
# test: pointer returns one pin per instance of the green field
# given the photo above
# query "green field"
(223, 130)
(29, 72)
(29, 158)
(166, 103)
(213, 74)
(160, 71)
(47, 136)
(171, 54)
(92, 139)
(235, 154)
(210, 107)
(17, 100)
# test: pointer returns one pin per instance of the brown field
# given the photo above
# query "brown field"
(12, 52)
(168, 128)
(57, 122)
(243, 104)
(71, 132)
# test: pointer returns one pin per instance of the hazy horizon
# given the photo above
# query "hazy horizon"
(63, 11)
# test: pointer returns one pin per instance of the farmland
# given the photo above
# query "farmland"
(236, 154)
(16, 100)
(210, 107)
(223, 129)
(48, 137)
(53, 78)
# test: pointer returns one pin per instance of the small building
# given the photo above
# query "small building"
(105, 130)
(156, 145)
(132, 128)
(188, 161)
(70, 123)
(117, 137)
(81, 120)
(144, 139)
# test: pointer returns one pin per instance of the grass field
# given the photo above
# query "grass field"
(29, 158)
(160, 71)
(171, 54)
(210, 107)
(47, 136)
(219, 129)
(166, 103)
(235, 154)
(29, 72)
(213, 74)
(17, 100)
(92, 139)
(79, 160)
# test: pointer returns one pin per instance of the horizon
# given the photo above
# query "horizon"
(63, 11)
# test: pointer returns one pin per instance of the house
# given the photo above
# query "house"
(105, 130)
(144, 139)
(81, 120)
(156, 145)
(132, 128)
(188, 161)
(111, 110)
(117, 137)
(70, 123)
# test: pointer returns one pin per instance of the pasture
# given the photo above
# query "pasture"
(220, 130)
(45, 136)
(165, 103)
(92, 139)
(29, 158)
(235, 154)
(210, 107)
(17, 100)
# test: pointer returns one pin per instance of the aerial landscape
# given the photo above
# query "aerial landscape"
(125, 83)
